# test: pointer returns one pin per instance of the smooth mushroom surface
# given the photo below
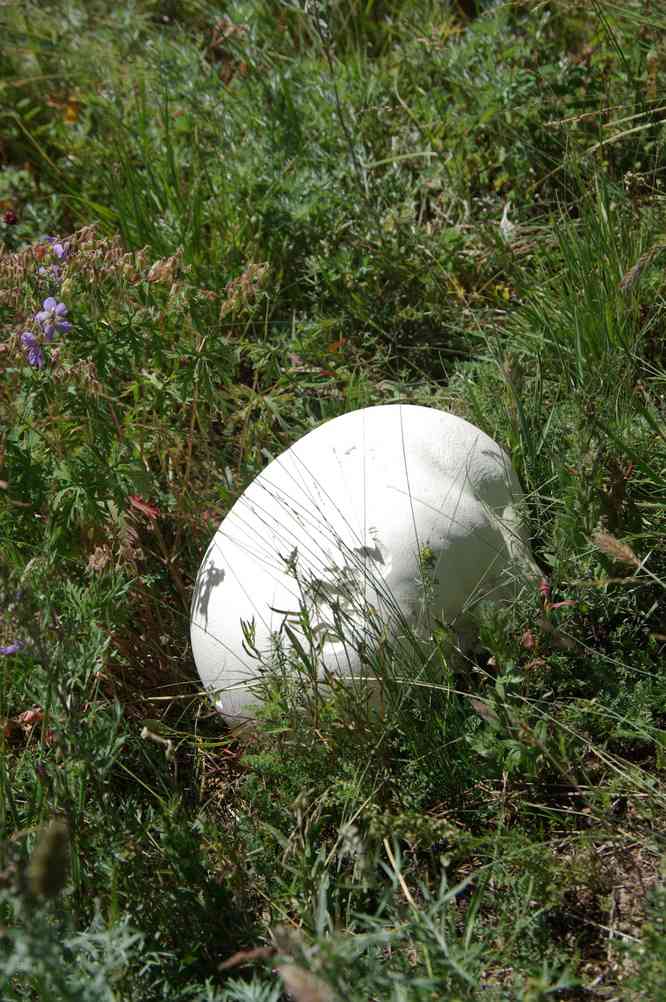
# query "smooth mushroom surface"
(380, 521)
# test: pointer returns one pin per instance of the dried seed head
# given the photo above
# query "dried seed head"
(612, 547)
(631, 277)
(99, 559)
(304, 986)
(165, 269)
(49, 864)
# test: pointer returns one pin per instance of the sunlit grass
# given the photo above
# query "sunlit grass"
(259, 217)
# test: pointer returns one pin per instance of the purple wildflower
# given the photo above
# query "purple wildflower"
(52, 272)
(12, 648)
(34, 351)
(59, 249)
(51, 318)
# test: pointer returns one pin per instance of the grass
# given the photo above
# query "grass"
(273, 214)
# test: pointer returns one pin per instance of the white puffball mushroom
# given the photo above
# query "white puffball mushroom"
(380, 520)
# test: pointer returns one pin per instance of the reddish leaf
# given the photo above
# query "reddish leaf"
(30, 717)
(151, 511)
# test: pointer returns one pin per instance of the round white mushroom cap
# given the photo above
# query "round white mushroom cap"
(383, 519)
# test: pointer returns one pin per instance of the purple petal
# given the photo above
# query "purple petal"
(63, 326)
(42, 316)
(61, 310)
(11, 648)
(61, 251)
(49, 331)
(35, 354)
(36, 357)
(50, 303)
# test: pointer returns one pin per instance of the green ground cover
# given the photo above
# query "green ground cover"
(249, 217)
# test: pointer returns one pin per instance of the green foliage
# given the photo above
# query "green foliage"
(647, 957)
(260, 215)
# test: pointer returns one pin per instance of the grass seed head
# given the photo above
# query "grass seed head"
(613, 548)
(49, 864)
